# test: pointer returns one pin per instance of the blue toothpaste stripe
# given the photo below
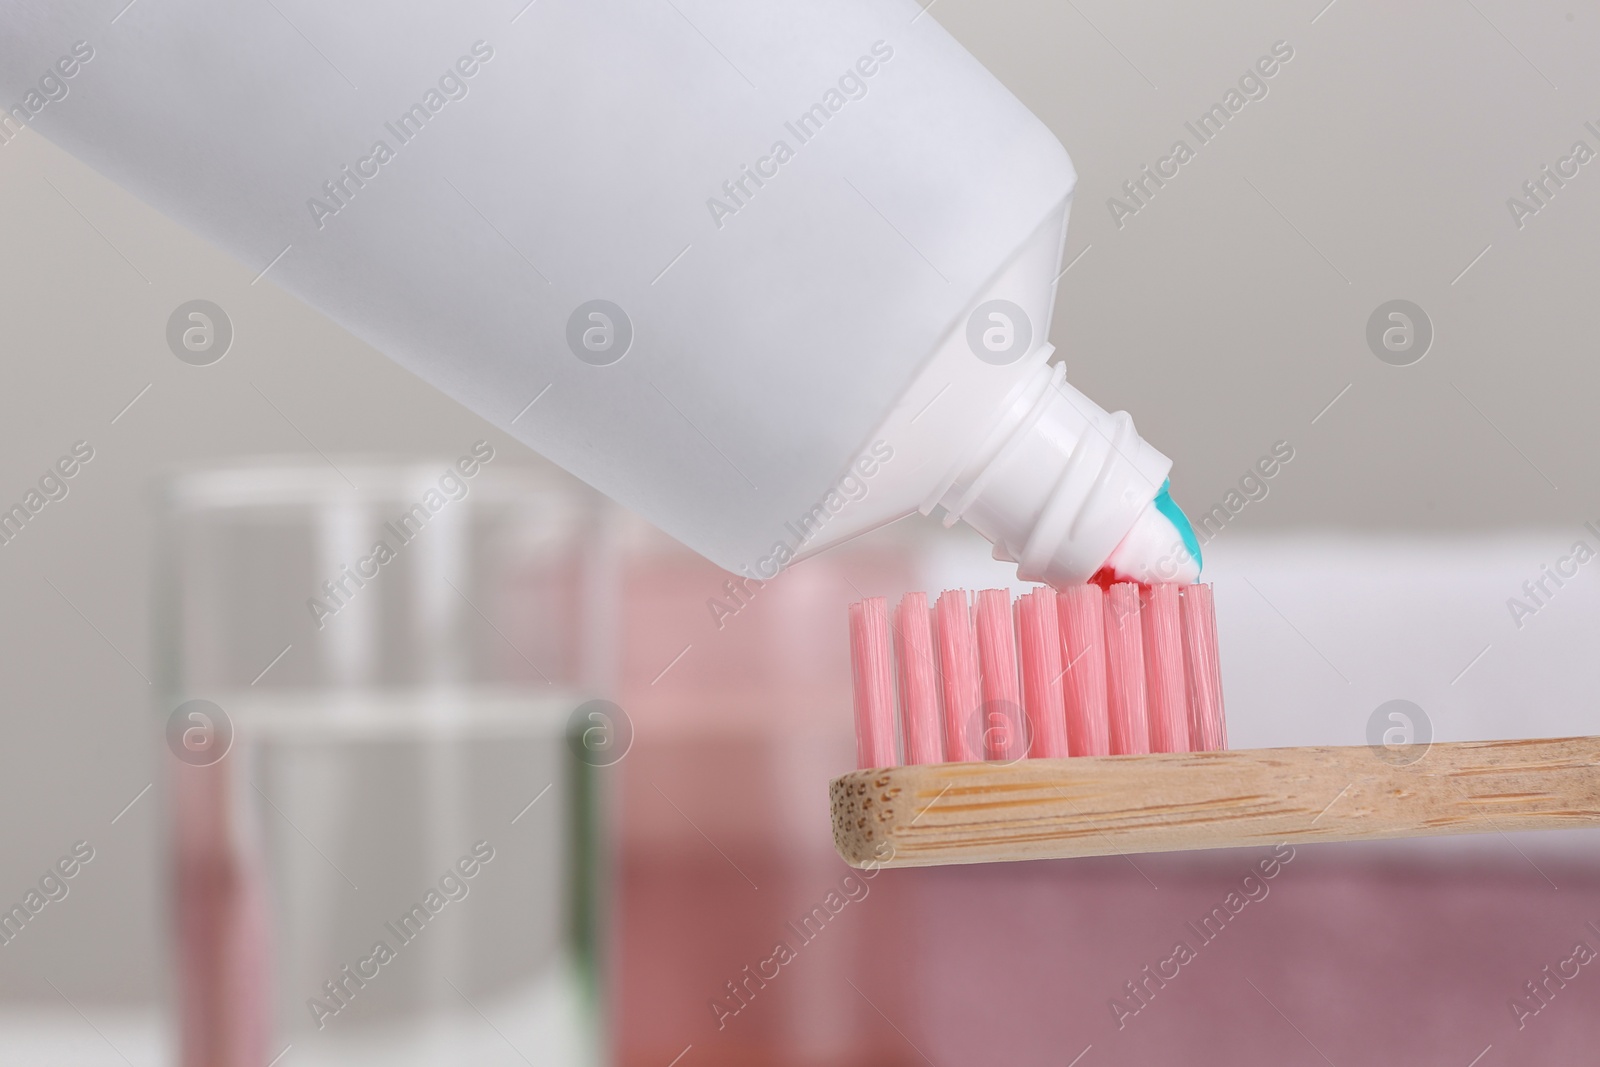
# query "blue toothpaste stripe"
(1176, 516)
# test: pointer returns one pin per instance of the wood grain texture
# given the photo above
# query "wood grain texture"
(942, 813)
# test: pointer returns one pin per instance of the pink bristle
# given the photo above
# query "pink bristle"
(1002, 724)
(1120, 670)
(958, 661)
(919, 681)
(1082, 622)
(1040, 631)
(874, 683)
(1167, 691)
(1207, 726)
(1125, 680)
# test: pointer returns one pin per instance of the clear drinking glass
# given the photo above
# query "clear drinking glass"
(381, 847)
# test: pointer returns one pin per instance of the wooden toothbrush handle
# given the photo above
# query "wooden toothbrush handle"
(918, 816)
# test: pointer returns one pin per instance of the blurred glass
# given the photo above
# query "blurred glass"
(378, 834)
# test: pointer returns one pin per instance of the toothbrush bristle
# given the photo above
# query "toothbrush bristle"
(1125, 679)
(874, 682)
(1001, 726)
(1083, 655)
(1040, 631)
(919, 680)
(1166, 691)
(1119, 671)
(958, 660)
(1204, 669)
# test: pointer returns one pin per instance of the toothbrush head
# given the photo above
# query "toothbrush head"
(1085, 672)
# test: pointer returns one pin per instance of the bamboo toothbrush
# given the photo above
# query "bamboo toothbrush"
(1107, 736)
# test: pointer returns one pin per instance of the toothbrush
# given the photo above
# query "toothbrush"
(1137, 696)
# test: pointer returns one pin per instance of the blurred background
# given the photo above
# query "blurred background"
(348, 763)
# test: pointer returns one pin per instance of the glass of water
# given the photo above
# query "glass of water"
(381, 845)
